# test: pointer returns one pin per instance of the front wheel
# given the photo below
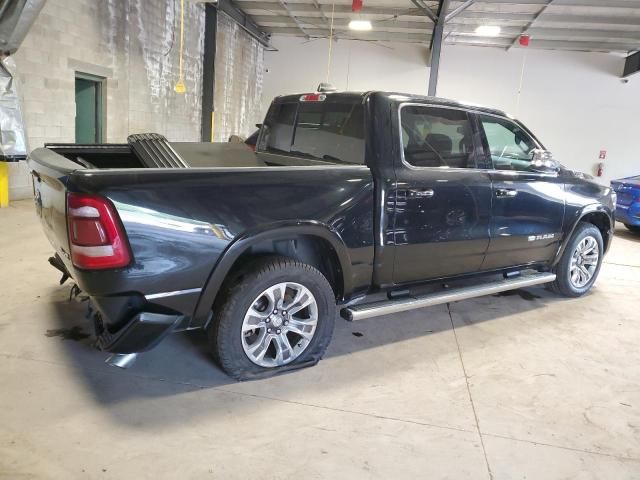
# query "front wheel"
(280, 314)
(580, 263)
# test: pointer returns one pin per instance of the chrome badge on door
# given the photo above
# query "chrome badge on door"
(546, 236)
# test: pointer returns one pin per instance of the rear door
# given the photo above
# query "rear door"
(527, 210)
(443, 195)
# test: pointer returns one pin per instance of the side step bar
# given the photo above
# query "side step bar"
(359, 312)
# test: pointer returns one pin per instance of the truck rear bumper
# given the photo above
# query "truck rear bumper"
(133, 323)
(143, 332)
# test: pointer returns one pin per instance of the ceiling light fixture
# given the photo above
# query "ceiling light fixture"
(488, 30)
(360, 25)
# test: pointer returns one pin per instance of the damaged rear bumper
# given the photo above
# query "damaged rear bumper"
(132, 323)
(143, 332)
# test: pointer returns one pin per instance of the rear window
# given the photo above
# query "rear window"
(322, 130)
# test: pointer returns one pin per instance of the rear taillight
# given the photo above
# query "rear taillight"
(95, 236)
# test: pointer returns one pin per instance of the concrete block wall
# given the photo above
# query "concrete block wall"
(239, 81)
(134, 45)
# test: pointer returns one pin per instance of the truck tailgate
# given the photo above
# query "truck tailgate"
(50, 173)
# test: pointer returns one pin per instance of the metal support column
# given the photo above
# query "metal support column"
(209, 72)
(436, 46)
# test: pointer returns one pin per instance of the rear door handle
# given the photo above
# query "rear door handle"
(422, 192)
(506, 192)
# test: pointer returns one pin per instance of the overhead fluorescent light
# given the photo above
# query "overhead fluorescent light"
(360, 25)
(488, 30)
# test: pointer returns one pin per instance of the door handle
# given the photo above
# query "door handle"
(422, 192)
(506, 192)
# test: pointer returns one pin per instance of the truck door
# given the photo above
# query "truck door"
(528, 206)
(443, 196)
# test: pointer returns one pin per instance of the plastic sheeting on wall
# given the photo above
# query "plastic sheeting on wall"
(12, 138)
(16, 18)
(153, 68)
(239, 80)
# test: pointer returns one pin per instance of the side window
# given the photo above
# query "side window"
(437, 137)
(510, 146)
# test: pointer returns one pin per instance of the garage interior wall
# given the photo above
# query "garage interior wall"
(576, 103)
(134, 46)
(239, 81)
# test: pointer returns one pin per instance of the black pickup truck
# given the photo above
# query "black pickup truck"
(352, 202)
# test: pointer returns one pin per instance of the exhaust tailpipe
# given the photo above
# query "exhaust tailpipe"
(122, 360)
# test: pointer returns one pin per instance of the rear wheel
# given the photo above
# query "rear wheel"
(633, 228)
(580, 264)
(280, 314)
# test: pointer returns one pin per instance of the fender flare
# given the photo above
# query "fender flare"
(280, 230)
(575, 220)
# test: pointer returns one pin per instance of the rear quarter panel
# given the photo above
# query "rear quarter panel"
(179, 222)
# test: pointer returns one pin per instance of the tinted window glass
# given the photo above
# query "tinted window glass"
(437, 137)
(510, 146)
(323, 130)
(278, 131)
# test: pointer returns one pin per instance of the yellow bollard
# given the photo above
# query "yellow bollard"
(4, 184)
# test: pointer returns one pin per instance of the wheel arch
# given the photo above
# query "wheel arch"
(310, 242)
(598, 216)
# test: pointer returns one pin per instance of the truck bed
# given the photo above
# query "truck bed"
(180, 220)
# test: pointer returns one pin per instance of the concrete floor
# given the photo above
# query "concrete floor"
(519, 386)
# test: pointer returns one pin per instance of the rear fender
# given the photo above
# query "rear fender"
(278, 231)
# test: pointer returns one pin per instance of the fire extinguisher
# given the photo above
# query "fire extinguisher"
(600, 171)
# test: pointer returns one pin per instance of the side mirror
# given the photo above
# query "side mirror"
(542, 161)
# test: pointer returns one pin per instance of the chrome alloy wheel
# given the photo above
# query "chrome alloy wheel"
(279, 324)
(584, 262)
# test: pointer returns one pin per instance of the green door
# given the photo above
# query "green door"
(88, 114)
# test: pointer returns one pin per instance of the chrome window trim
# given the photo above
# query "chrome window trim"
(458, 169)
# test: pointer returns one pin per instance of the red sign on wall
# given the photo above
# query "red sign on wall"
(603, 155)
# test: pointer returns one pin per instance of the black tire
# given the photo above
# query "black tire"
(633, 228)
(563, 284)
(224, 332)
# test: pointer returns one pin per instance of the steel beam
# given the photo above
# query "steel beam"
(284, 5)
(579, 46)
(605, 4)
(209, 72)
(244, 20)
(459, 9)
(436, 46)
(412, 37)
(272, 21)
(322, 15)
(426, 10)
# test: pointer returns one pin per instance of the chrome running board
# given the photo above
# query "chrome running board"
(359, 312)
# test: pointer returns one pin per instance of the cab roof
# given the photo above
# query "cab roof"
(393, 97)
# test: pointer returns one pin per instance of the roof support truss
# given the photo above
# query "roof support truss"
(284, 5)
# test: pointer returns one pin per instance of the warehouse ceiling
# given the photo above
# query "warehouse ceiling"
(583, 25)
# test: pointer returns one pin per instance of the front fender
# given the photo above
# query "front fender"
(274, 231)
(577, 216)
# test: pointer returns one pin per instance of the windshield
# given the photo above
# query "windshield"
(320, 130)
